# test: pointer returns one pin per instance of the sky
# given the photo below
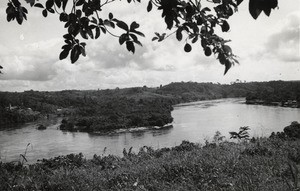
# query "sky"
(267, 49)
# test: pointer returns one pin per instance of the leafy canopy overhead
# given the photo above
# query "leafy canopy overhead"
(189, 20)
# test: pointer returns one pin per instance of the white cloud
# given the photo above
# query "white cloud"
(30, 61)
(284, 44)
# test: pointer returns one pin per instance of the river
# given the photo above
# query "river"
(196, 122)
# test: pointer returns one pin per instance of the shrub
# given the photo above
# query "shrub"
(293, 130)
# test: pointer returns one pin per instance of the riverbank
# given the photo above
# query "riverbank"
(263, 164)
(289, 103)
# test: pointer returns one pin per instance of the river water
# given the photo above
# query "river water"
(196, 122)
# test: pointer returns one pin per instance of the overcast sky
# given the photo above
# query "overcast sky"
(268, 49)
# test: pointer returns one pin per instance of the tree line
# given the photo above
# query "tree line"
(93, 110)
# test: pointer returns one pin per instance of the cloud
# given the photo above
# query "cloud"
(29, 53)
(31, 61)
(284, 44)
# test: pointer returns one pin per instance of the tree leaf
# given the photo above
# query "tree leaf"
(112, 25)
(82, 50)
(97, 33)
(25, 17)
(63, 17)
(83, 34)
(195, 39)
(31, 2)
(205, 9)
(225, 26)
(179, 34)
(207, 51)
(239, 2)
(16, 3)
(134, 37)
(58, 3)
(134, 25)
(80, 2)
(124, 37)
(64, 4)
(122, 25)
(75, 54)
(154, 38)
(228, 65)
(51, 10)
(138, 33)
(267, 11)
(24, 10)
(149, 6)
(68, 36)
(254, 9)
(169, 21)
(39, 5)
(10, 17)
(222, 58)
(103, 30)
(130, 46)
(64, 54)
(19, 18)
(49, 4)
(273, 4)
(110, 16)
(138, 42)
(90, 33)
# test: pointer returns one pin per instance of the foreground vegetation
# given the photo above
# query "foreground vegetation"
(260, 164)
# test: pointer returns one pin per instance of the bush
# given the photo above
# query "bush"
(293, 130)
(66, 125)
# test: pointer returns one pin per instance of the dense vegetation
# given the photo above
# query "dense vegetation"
(92, 110)
(276, 93)
(259, 164)
(131, 107)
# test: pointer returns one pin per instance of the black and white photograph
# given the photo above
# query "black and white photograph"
(150, 95)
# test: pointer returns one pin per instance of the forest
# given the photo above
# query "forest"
(278, 93)
(100, 110)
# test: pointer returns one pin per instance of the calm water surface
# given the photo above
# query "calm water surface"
(197, 122)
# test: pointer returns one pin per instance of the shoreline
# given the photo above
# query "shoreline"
(277, 104)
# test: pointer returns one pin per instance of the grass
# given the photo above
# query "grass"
(263, 164)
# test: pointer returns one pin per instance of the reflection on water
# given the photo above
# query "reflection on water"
(161, 132)
(138, 134)
(192, 121)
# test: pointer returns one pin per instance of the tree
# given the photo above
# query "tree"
(187, 19)
(242, 134)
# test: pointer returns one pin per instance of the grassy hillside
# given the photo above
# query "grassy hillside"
(263, 164)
